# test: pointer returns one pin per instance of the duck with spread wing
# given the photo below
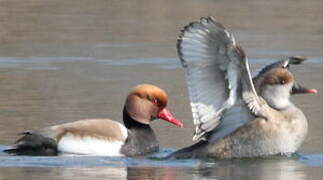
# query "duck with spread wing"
(236, 115)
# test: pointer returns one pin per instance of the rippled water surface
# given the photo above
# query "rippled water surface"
(62, 61)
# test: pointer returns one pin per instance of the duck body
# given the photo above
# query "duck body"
(259, 137)
(262, 137)
(236, 115)
(102, 137)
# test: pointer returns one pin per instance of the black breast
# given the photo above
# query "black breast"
(141, 138)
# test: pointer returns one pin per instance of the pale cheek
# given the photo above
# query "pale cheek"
(277, 96)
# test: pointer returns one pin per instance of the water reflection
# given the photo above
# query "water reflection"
(267, 169)
(67, 167)
(95, 173)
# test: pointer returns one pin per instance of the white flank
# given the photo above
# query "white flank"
(123, 130)
(89, 146)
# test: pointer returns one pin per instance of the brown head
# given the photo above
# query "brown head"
(278, 76)
(147, 102)
(277, 85)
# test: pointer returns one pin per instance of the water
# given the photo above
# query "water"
(61, 61)
(96, 167)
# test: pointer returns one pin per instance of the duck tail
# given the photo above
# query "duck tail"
(32, 143)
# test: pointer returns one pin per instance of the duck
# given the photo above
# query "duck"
(103, 137)
(237, 115)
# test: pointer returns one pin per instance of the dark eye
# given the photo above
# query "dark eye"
(155, 101)
(282, 82)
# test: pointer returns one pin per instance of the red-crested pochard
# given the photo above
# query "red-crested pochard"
(103, 136)
(236, 115)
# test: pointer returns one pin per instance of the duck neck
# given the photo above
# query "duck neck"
(141, 138)
(131, 123)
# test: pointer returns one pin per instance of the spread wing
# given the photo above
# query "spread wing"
(218, 79)
(284, 63)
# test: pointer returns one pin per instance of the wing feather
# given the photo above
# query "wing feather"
(217, 74)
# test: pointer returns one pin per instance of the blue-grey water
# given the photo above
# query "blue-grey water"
(61, 61)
